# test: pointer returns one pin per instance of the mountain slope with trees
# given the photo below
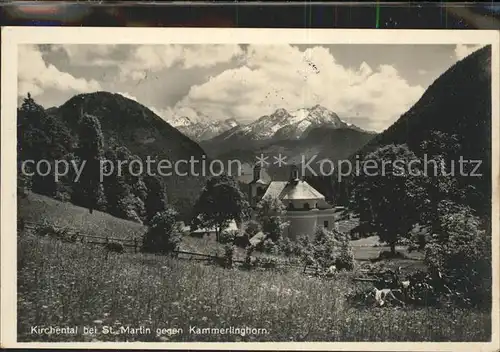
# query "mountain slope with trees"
(128, 131)
(452, 119)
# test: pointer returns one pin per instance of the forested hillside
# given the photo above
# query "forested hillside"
(452, 119)
(127, 130)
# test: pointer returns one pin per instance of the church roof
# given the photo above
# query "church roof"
(292, 190)
(301, 190)
(274, 189)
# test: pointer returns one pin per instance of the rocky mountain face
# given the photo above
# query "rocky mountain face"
(314, 132)
(204, 129)
(277, 127)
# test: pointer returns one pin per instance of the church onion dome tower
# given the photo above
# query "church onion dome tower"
(257, 187)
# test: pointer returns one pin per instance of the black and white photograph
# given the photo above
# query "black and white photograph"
(251, 186)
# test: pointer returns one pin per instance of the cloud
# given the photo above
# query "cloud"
(36, 76)
(463, 50)
(147, 58)
(164, 113)
(284, 76)
(135, 61)
(87, 55)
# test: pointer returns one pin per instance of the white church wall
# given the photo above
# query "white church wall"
(301, 223)
(299, 203)
(326, 217)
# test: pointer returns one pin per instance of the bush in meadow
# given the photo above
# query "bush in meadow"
(249, 259)
(268, 263)
(270, 211)
(50, 230)
(286, 246)
(227, 236)
(228, 256)
(252, 228)
(461, 254)
(164, 234)
(324, 247)
(303, 248)
(269, 246)
(345, 259)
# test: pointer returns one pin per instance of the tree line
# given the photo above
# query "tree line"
(43, 136)
(429, 210)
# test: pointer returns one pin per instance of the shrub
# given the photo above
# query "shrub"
(249, 260)
(46, 229)
(286, 246)
(228, 236)
(132, 208)
(271, 212)
(114, 247)
(345, 259)
(228, 256)
(419, 237)
(324, 247)
(164, 234)
(242, 241)
(269, 246)
(268, 263)
(461, 255)
(303, 248)
(252, 228)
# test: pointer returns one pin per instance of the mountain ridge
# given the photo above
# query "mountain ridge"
(281, 125)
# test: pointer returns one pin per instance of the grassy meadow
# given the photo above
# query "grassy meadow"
(37, 208)
(64, 285)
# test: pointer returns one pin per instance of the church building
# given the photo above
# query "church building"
(306, 208)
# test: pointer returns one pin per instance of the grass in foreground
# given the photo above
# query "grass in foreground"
(64, 285)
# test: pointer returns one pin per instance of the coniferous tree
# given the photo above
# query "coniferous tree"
(156, 200)
(90, 152)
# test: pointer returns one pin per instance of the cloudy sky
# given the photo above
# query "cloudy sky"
(368, 85)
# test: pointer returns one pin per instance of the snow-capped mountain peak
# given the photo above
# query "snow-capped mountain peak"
(231, 122)
(181, 121)
(282, 124)
(202, 128)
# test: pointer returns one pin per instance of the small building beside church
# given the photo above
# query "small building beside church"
(306, 207)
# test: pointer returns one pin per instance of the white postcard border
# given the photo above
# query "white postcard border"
(13, 36)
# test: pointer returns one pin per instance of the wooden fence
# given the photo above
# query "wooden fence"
(136, 244)
(91, 239)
